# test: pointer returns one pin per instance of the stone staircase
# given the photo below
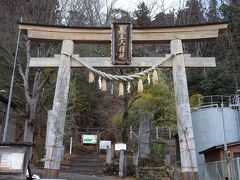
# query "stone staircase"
(86, 162)
(87, 165)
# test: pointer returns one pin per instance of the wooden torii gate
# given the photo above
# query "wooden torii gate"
(70, 35)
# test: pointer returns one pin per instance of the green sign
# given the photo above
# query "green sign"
(89, 138)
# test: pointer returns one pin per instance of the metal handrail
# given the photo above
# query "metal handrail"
(216, 101)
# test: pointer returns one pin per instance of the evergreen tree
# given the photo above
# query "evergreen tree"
(142, 15)
(163, 19)
(231, 47)
(192, 14)
(213, 13)
(196, 14)
(157, 100)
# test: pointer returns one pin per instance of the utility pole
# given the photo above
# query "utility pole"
(11, 90)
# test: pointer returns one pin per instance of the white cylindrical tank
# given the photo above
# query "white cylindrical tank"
(214, 126)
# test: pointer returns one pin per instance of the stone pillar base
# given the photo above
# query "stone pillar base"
(51, 173)
(190, 176)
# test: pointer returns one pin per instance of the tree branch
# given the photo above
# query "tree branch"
(131, 103)
(44, 81)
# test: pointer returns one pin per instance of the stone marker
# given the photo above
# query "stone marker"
(144, 135)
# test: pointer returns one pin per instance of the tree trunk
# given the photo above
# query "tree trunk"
(125, 114)
(28, 128)
(31, 109)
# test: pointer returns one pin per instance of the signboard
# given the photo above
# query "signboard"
(105, 144)
(120, 146)
(89, 138)
(121, 43)
(11, 161)
(14, 160)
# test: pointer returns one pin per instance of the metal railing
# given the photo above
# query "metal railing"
(157, 132)
(214, 100)
(220, 170)
(163, 132)
(235, 98)
(218, 101)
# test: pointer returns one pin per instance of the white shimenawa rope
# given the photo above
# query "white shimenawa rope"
(118, 77)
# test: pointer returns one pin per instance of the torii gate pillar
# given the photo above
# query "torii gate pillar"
(184, 119)
(56, 116)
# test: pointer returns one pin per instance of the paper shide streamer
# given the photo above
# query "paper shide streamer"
(124, 78)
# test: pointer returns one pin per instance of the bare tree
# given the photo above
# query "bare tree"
(30, 11)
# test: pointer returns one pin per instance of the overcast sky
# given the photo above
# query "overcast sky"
(166, 5)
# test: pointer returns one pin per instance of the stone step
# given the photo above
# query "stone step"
(86, 165)
(87, 169)
(100, 173)
(87, 159)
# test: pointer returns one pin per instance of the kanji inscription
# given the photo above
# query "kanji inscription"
(121, 43)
